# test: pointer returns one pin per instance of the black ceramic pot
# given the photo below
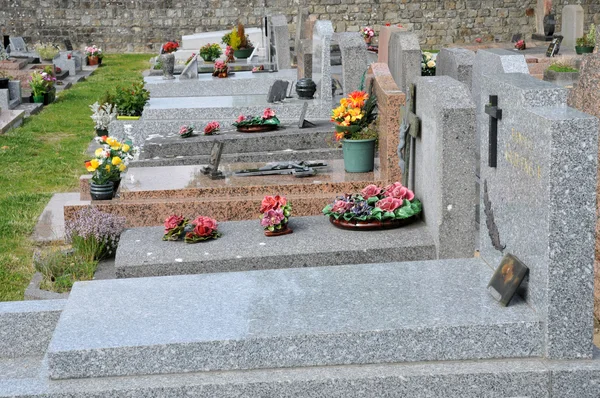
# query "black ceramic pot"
(306, 88)
(549, 24)
(3, 83)
(101, 191)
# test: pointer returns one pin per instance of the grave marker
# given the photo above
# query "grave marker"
(495, 115)
(191, 69)
(68, 45)
(456, 63)
(278, 91)
(212, 170)
(404, 58)
(302, 123)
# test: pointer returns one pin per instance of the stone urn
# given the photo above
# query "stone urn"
(306, 88)
(549, 25)
(168, 65)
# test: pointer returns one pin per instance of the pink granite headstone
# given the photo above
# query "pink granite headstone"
(384, 41)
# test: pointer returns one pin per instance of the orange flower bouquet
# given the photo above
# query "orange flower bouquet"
(355, 113)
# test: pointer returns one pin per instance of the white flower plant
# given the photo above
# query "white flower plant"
(103, 114)
(428, 64)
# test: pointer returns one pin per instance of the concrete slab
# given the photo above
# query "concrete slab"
(10, 119)
(51, 225)
(357, 314)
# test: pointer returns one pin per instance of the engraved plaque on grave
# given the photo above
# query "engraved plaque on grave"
(507, 279)
(212, 170)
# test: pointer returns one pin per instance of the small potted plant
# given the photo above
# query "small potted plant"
(110, 160)
(212, 128)
(49, 81)
(353, 118)
(428, 64)
(186, 131)
(130, 101)
(221, 69)
(92, 53)
(168, 59)
(47, 51)
(229, 54)
(275, 213)
(102, 115)
(521, 45)
(253, 124)
(210, 52)
(367, 33)
(38, 87)
(240, 42)
(375, 208)
(587, 43)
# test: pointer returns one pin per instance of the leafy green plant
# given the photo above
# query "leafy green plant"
(130, 100)
(210, 51)
(158, 65)
(588, 40)
(47, 51)
(561, 67)
(60, 269)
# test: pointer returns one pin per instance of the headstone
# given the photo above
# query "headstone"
(304, 58)
(17, 44)
(191, 69)
(301, 18)
(539, 203)
(280, 41)
(355, 59)
(322, 34)
(385, 34)
(572, 24)
(456, 63)
(303, 123)
(73, 65)
(278, 91)
(404, 58)
(68, 45)
(444, 164)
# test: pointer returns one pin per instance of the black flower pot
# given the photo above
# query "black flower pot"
(306, 88)
(101, 191)
(549, 25)
(101, 133)
(49, 97)
(116, 184)
(3, 83)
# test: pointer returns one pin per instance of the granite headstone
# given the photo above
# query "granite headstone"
(456, 63)
(404, 58)
(321, 67)
(354, 59)
(191, 69)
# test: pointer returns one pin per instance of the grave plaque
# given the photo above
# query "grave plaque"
(277, 91)
(68, 45)
(302, 123)
(507, 279)
(212, 170)
(554, 47)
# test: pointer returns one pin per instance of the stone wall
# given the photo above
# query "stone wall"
(141, 25)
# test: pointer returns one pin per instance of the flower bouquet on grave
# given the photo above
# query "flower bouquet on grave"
(520, 45)
(239, 42)
(110, 160)
(428, 64)
(375, 208)
(93, 54)
(203, 228)
(221, 69)
(210, 52)
(367, 33)
(186, 131)
(275, 211)
(38, 87)
(229, 54)
(102, 116)
(252, 124)
(212, 128)
(170, 47)
(175, 227)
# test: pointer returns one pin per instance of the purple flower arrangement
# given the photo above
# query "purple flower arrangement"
(94, 234)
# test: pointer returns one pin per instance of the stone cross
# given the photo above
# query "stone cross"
(409, 130)
(495, 115)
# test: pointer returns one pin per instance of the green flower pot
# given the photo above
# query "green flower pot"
(584, 49)
(243, 53)
(38, 99)
(359, 155)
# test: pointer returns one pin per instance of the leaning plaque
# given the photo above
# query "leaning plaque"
(507, 279)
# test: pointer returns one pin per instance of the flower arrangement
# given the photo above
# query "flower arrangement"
(275, 213)
(3, 55)
(94, 234)
(367, 33)
(190, 58)
(258, 68)
(229, 54)
(210, 52)
(200, 229)
(520, 45)
(47, 51)
(221, 69)
(110, 160)
(93, 51)
(428, 64)
(238, 39)
(170, 47)
(186, 131)
(102, 115)
(212, 128)
(130, 100)
(374, 203)
(267, 118)
(354, 114)
(588, 40)
(38, 84)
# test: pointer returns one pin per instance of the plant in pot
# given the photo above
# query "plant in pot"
(110, 160)
(587, 43)
(375, 207)
(38, 87)
(367, 33)
(355, 129)
(92, 53)
(4, 79)
(221, 69)
(100, 56)
(49, 81)
(240, 42)
(167, 59)
(102, 115)
(210, 52)
(428, 64)
(275, 213)
(47, 51)
(130, 101)
(253, 124)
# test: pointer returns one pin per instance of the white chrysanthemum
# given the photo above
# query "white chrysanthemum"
(431, 64)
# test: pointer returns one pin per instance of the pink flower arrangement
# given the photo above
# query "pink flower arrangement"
(398, 191)
(186, 131)
(240, 118)
(370, 190)
(367, 32)
(520, 45)
(268, 113)
(204, 228)
(272, 203)
(275, 212)
(272, 218)
(341, 206)
(389, 204)
(478, 40)
(229, 51)
(206, 222)
(174, 227)
(211, 128)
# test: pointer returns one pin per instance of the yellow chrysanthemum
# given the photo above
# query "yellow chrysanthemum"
(99, 152)
(116, 161)
(111, 141)
(107, 167)
(94, 163)
(122, 167)
(338, 112)
(125, 148)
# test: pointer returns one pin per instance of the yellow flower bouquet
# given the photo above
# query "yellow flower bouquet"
(110, 160)
(355, 113)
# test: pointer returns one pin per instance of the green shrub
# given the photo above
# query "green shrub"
(61, 269)
(560, 67)
(47, 51)
(130, 100)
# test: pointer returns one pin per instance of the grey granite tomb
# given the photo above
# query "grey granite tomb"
(321, 67)
(456, 63)
(404, 58)
(354, 59)
(280, 36)
(191, 69)
(73, 65)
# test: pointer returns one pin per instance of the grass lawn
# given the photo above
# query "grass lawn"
(45, 156)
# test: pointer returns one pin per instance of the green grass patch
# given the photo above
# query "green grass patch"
(61, 269)
(45, 156)
(562, 68)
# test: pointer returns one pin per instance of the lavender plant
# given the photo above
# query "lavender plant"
(93, 234)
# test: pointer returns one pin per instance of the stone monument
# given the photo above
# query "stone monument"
(572, 24)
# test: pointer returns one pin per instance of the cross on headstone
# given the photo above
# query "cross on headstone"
(212, 170)
(409, 131)
(68, 45)
(495, 115)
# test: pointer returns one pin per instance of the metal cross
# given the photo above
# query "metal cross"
(495, 115)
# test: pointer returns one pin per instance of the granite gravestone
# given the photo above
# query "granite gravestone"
(354, 59)
(539, 203)
(212, 170)
(404, 58)
(17, 44)
(191, 69)
(385, 34)
(572, 24)
(456, 63)
(280, 42)
(321, 66)
(278, 91)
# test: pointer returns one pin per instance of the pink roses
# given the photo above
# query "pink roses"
(240, 118)
(275, 212)
(172, 222)
(202, 228)
(389, 204)
(370, 190)
(268, 113)
(207, 222)
(272, 203)
(272, 218)
(398, 191)
(211, 128)
(341, 206)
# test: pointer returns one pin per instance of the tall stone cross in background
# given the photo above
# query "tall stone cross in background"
(495, 115)
(409, 131)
